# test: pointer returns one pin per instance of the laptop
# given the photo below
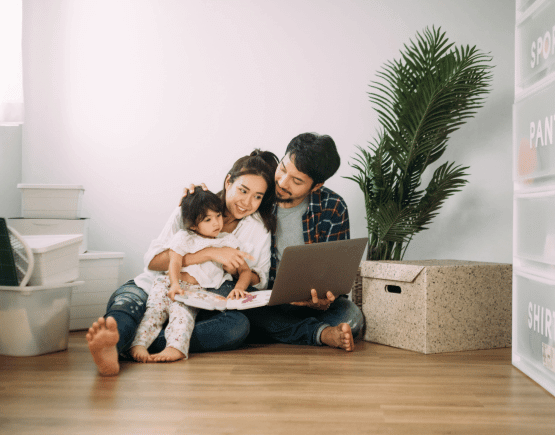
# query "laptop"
(330, 266)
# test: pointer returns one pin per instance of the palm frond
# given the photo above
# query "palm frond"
(395, 223)
(446, 181)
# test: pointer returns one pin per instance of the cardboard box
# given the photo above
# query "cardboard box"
(56, 258)
(434, 306)
(36, 227)
(35, 320)
(100, 272)
(61, 201)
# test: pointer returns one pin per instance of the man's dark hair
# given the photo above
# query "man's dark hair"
(315, 155)
(195, 206)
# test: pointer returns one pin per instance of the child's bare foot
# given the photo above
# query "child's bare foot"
(140, 354)
(339, 336)
(169, 354)
(103, 336)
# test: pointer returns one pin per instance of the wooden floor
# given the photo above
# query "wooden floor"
(275, 389)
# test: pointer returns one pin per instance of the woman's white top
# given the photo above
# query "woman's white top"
(253, 237)
(208, 274)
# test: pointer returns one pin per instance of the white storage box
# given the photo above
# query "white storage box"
(56, 258)
(534, 327)
(36, 227)
(100, 271)
(35, 320)
(62, 201)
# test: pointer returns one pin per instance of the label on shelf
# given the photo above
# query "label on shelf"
(535, 45)
(533, 148)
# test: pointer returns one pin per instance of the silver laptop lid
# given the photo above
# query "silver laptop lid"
(330, 266)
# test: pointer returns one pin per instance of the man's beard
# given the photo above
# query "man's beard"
(283, 200)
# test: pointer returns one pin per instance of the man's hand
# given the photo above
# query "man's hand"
(190, 191)
(314, 302)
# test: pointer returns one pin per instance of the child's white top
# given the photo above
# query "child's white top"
(253, 236)
(208, 274)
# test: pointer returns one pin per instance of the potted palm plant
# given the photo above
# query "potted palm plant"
(421, 99)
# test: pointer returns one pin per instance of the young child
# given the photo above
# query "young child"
(202, 218)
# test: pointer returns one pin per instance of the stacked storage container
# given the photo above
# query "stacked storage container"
(100, 271)
(534, 193)
(56, 209)
(34, 318)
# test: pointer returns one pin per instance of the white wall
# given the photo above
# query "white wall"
(135, 99)
(10, 171)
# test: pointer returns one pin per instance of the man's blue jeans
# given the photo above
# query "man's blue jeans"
(300, 325)
(214, 330)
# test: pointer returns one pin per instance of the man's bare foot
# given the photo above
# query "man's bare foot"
(140, 354)
(103, 336)
(169, 354)
(339, 336)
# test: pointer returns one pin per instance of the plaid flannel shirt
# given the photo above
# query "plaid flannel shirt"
(326, 219)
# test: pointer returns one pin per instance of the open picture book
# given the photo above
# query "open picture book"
(212, 301)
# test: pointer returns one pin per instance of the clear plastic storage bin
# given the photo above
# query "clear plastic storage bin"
(56, 258)
(534, 223)
(36, 227)
(534, 140)
(534, 43)
(61, 201)
(534, 327)
(35, 320)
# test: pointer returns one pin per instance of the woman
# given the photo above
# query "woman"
(248, 193)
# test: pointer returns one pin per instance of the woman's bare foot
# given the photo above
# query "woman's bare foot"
(140, 354)
(103, 336)
(339, 336)
(169, 354)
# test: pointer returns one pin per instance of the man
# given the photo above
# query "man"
(308, 212)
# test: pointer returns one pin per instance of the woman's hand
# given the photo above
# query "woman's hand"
(174, 290)
(231, 259)
(314, 302)
(190, 191)
(237, 293)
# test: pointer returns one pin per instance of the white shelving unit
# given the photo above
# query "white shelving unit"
(533, 341)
